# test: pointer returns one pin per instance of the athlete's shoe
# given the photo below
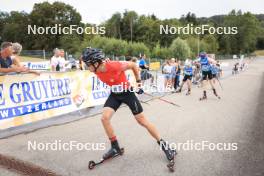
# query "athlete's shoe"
(204, 96)
(170, 153)
(113, 151)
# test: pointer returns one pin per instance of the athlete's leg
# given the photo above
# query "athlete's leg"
(110, 106)
(203, 82)
(106, 121)
(141, 119)
(189, 84)
(213, 85)
(133, 103)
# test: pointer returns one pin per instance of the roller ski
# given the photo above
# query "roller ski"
(170, 154)
(204, 96)
(216, 94)
(112, 153)
(172, 160)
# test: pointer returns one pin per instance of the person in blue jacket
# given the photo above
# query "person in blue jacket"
(205, 63)
(188, 73)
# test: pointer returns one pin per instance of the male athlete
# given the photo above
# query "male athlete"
(113, 74)
(188, 73)
(206, 73)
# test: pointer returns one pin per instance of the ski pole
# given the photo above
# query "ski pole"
(160, 98)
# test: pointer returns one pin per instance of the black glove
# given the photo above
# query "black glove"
(140, 91)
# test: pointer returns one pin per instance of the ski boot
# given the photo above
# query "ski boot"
(216, 94)
(113, 151)
(170, 154)
(204, 96)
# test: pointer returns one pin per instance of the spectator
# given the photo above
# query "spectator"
(17, 48)
(135, 60)
(6, 63)
(178, 74)
(63, 62)
(174, 71)
(58, 61)
(167, 70)
(144, 74)
(142, 63)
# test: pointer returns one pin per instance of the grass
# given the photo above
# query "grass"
(31, 59)
(259, 52)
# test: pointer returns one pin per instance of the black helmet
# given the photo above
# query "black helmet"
(92, 55)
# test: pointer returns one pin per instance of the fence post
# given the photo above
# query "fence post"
(44, 54)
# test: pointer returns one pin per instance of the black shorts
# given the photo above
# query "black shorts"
(207, 74)
(129, 98)
(187, 77)
(213, 75)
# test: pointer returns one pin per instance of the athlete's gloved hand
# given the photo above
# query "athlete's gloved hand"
(140, 91)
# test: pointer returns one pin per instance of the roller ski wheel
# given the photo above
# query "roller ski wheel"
(171, 163)
(203, 98)
(92, 163)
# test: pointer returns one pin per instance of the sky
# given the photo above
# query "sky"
(97, 11)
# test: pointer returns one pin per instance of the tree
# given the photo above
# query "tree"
(248, 30)
(14, 27)
(70, 43)
(129, 19)
(193, 44)
(147, 31)
(137, 49)
(46, 15)
(166, 40)
(163, 53)
(113, 26)
(180, 49)
(115, 47)
(260, 40)
(211, 42)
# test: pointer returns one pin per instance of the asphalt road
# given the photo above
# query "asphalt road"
(237, 119)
